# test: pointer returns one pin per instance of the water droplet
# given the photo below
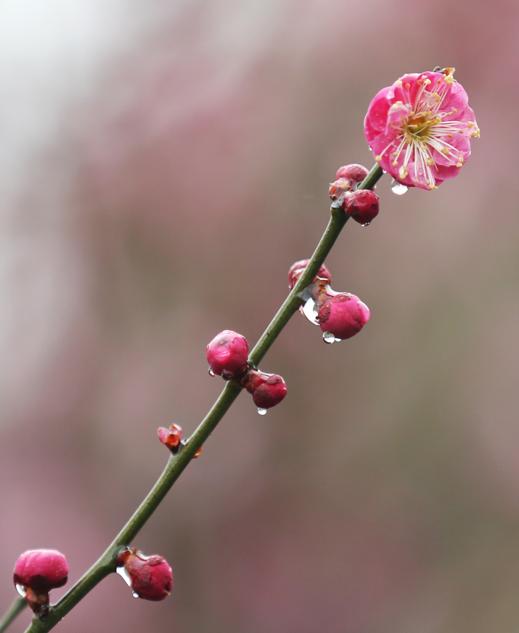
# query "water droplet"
(21, 590)
(134, 594)
(399, 189)
(124, 575)
(330, 338)
(366, 224)
(211, 372)
(310, 311)
(262, 411)
(337, 203)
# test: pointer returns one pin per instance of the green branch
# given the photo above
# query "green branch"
(177, 463)
(12, 613)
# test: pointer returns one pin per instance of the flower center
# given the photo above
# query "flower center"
(418, 126)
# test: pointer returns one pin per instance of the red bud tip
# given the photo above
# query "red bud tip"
(227, 354)
(267, 389)
(297, 269)
(41, 570)
(151, 577)
(170, 437)
(353, 173)
(343, 315)
(362, 205)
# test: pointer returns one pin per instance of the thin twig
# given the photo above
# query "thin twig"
(17, 606)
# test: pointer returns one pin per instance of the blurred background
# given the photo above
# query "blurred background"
(161, 166)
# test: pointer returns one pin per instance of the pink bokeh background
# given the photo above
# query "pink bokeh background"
(161, 166)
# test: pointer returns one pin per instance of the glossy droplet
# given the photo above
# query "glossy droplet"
(262, 411)
(330, 338)
(399, 189)
(211, 372)
(135, 594)
(124, 575)
(366, 224)
(21, 590)
(310, 311)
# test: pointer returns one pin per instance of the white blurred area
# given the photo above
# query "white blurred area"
(84, 85)
(52, 56)
(56, 57)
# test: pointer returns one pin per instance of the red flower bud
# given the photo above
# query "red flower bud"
(267, 389)
(297, 269)
(362, 205)
(227, 354)
(150, 577)
(353, 173)
(41, 570)
(170, 437)
(342, 315)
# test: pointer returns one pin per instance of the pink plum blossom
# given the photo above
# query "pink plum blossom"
(420, 128)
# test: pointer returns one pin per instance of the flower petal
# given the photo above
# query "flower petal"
(420, 128)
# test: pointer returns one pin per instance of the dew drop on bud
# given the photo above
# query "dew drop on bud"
(398, 188)
(124, 575)
(211, 372)
(366, 224)
(310, 311)
(330, 338)
(21, 590)
(262, 411)
(135, 594)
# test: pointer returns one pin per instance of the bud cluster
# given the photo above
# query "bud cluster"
(361, 204)
(227, 355)
(340, 315)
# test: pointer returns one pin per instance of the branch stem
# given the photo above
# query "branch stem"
(17, 606)
(176, 464)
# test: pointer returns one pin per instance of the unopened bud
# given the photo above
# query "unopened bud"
(171, 436)
(297, 269)
(267, 389)
(362, 205)
(343, 315)
(227, 354)
(36, 572)
(150, 577)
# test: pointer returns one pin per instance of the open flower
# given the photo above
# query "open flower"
(420, 128)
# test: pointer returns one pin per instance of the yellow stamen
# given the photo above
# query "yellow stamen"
(449, 74)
